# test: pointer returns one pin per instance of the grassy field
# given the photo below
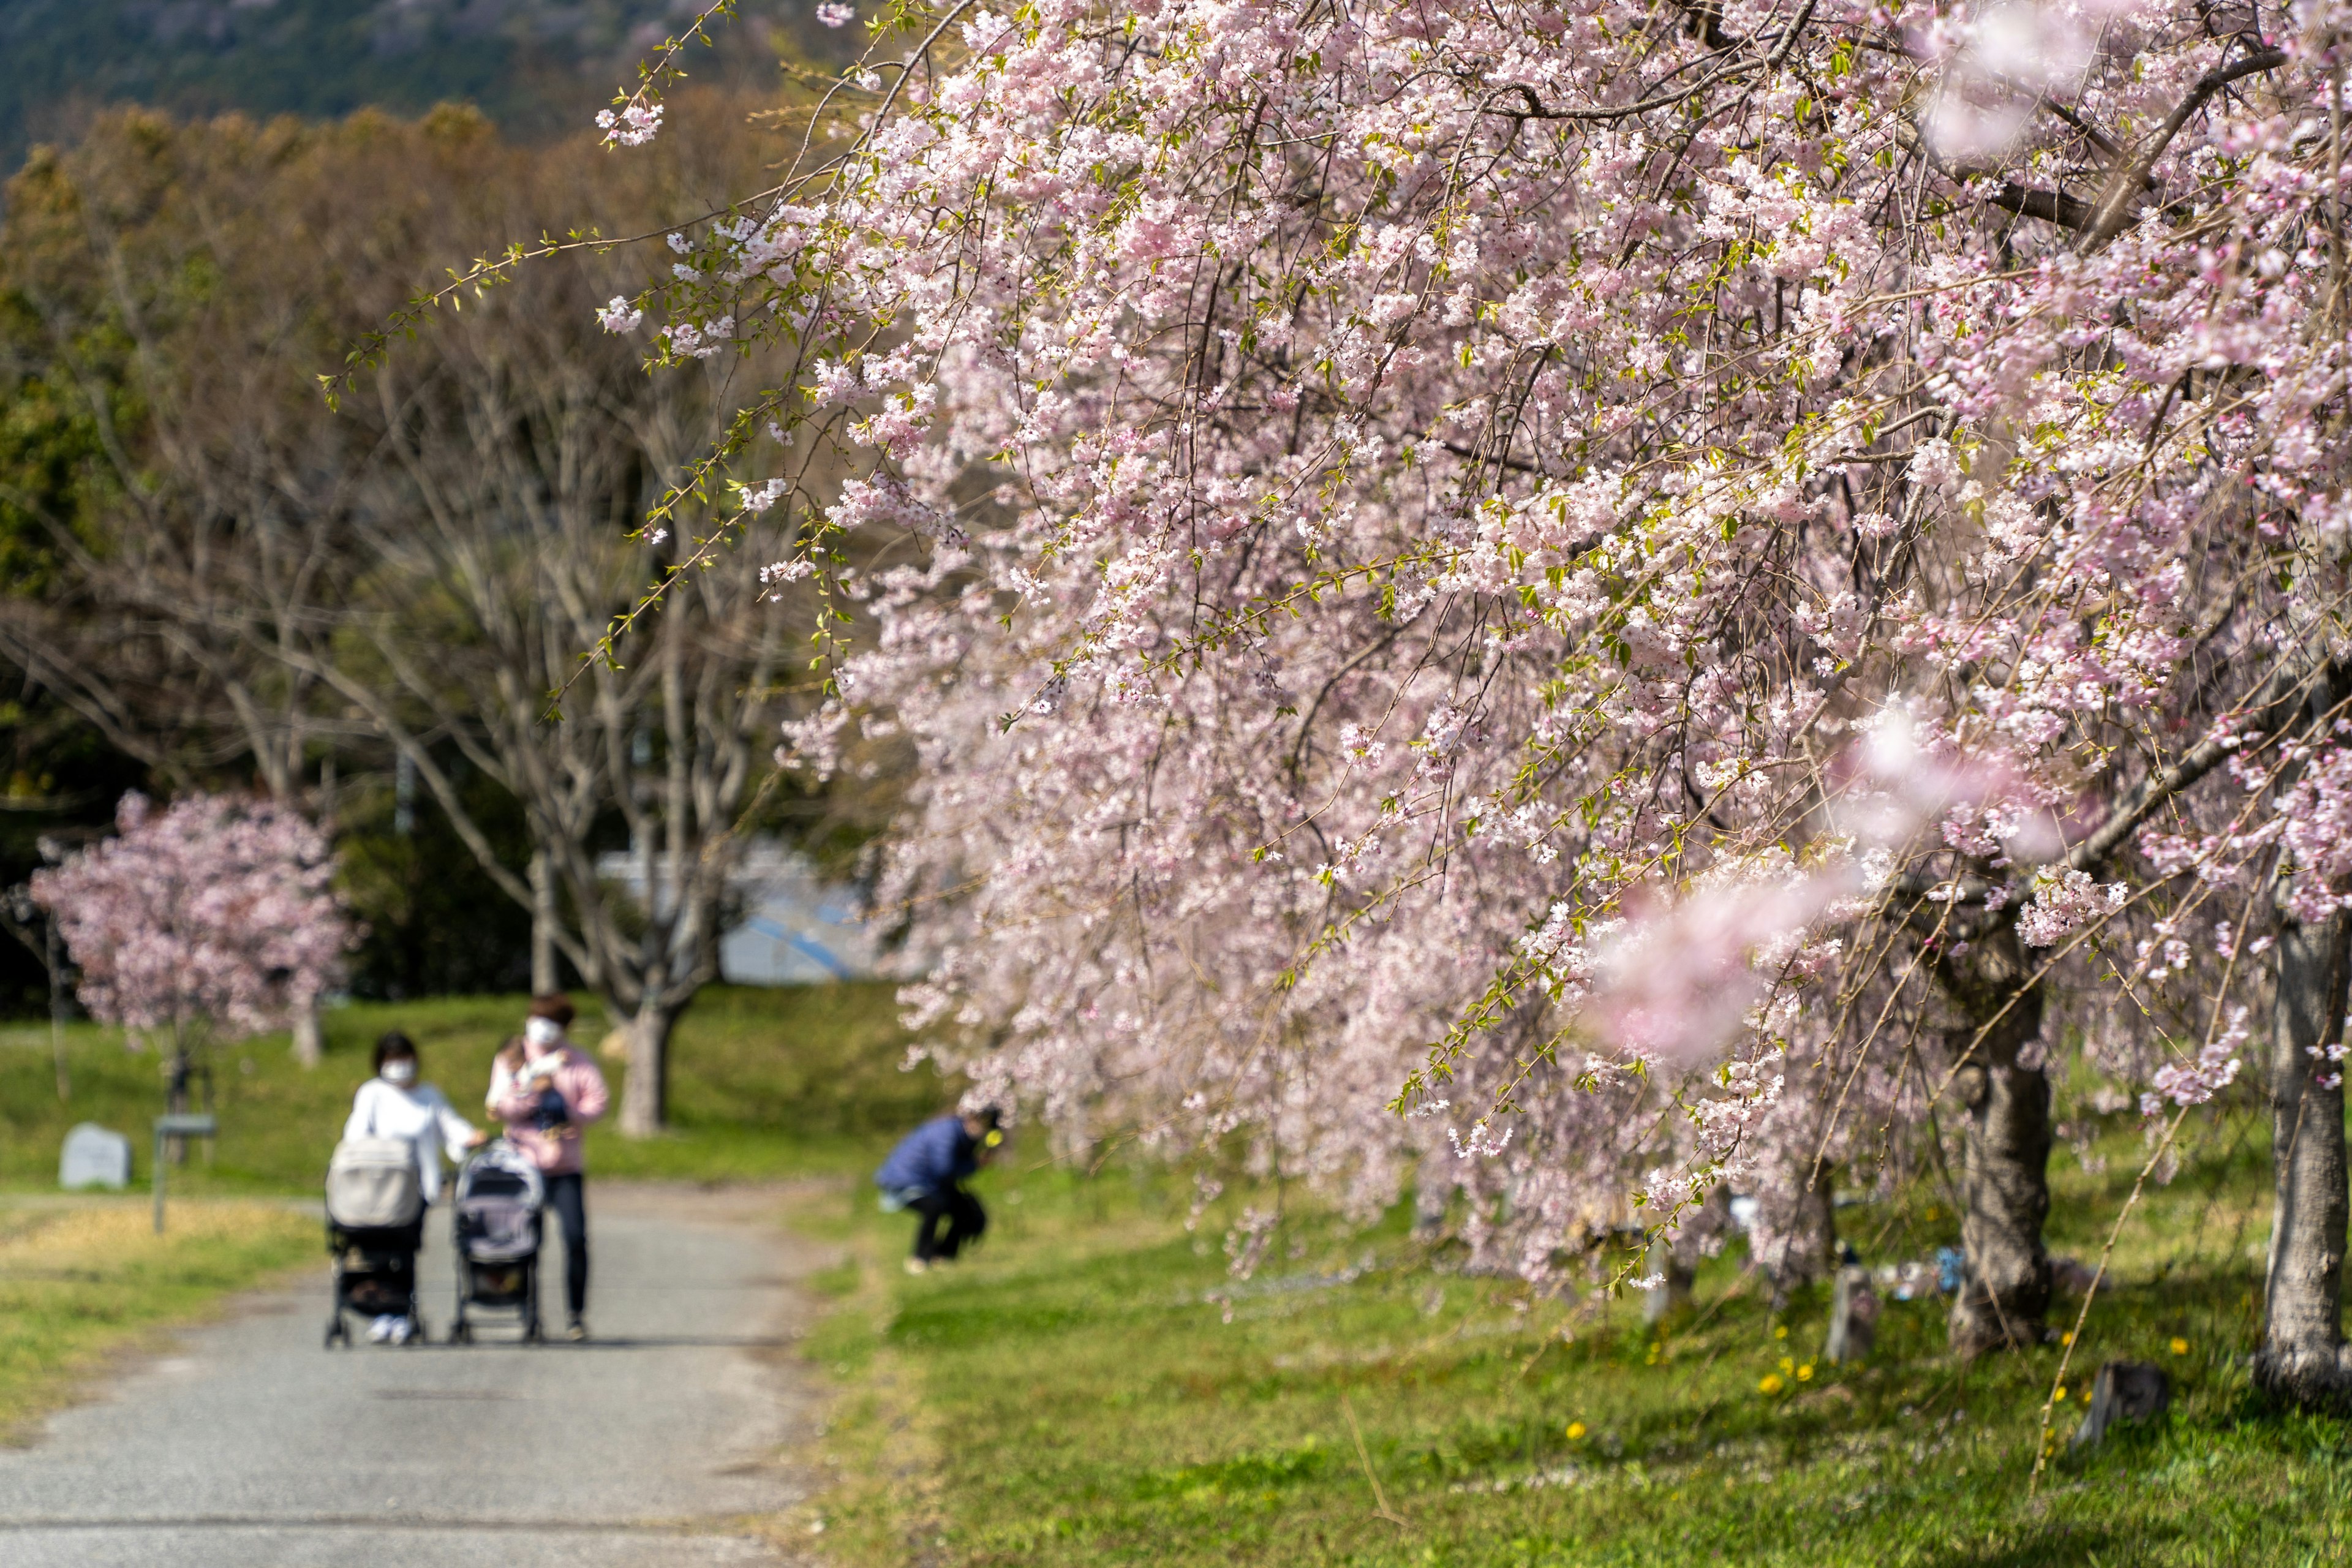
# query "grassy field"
(764, 1083)
(1094, 1389)
(78, 1279)
(1076, 1397)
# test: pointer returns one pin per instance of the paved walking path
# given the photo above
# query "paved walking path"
(250, 1446)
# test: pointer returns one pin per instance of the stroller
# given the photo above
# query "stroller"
(375, 1220)
(495, 1221)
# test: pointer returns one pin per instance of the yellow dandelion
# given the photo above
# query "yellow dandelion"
(2067, 1338)
(1781, 1332)
(1805, 1373)
(1772, 1383)
(2179, 1347)
(2060, 1395)
(1576, 1431)
(1787, 1364)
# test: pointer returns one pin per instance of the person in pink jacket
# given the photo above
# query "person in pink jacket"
(547, 1091)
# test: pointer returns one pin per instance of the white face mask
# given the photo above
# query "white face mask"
(543, 1032)
(400, 1071)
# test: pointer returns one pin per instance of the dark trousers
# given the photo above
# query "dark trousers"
(965, 1219)
(567, 1196)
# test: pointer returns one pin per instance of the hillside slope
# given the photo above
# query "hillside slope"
(534, 66)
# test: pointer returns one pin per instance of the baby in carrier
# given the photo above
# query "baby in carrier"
(547, 1091)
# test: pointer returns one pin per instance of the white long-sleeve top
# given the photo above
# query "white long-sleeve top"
(417, 1113)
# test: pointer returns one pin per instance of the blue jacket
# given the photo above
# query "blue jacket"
(933, 1156)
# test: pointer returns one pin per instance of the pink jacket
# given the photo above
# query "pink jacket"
(515, 1099)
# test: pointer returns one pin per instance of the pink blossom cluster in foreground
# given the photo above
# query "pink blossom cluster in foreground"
(1566, 595)
(214, 911)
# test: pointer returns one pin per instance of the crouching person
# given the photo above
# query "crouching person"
(926, 1172)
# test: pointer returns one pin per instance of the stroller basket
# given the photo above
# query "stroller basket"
(374, 1272)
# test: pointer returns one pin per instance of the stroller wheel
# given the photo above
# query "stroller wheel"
(335, 1331)
(461, 1332)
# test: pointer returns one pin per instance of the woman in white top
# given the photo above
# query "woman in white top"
(393, 1104)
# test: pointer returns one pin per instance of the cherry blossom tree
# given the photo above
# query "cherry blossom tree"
(1631, 596)
(211, 918)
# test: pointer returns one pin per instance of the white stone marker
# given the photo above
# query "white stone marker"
(94, 1157)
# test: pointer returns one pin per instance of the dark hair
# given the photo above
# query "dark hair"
(394, 1044)
(555, 1006)
(988, 1117)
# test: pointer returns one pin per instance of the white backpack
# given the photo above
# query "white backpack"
(373, 1184)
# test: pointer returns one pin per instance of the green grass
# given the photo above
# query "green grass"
(80, 1280)
(1073, 1396)
(763, 1083)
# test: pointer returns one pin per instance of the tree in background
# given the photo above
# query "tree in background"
(402, 588)
(535, 66)
(211, 919)
(168, 463)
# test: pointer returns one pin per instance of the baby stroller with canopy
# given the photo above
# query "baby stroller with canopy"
(495, 1221)
(375, 1220)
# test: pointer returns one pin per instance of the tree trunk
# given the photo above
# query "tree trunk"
(1671, 1296)
(55, 964)
(2005, 1276)
(175, 1095)
(1810, 1252)
(1434, 1186)
(2304, 1360)
(310, 1035)
(544, 980)
(644, 1098)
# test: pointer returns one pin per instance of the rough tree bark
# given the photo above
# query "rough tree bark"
(2005, 1278)
(2304, 1360)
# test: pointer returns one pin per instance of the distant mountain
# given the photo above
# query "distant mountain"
(534, 66)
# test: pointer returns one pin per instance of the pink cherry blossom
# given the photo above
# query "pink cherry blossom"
(1569, 568)
(216, 911)
(633, 126)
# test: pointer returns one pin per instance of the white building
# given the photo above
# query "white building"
(795, 929)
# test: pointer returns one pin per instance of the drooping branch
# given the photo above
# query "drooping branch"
(2124, 185)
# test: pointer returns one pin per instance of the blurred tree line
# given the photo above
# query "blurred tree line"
(537, 68)
(209, 578)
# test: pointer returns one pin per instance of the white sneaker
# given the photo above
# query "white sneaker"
(403, 1330)
(381, 1330)
(917, 1266)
